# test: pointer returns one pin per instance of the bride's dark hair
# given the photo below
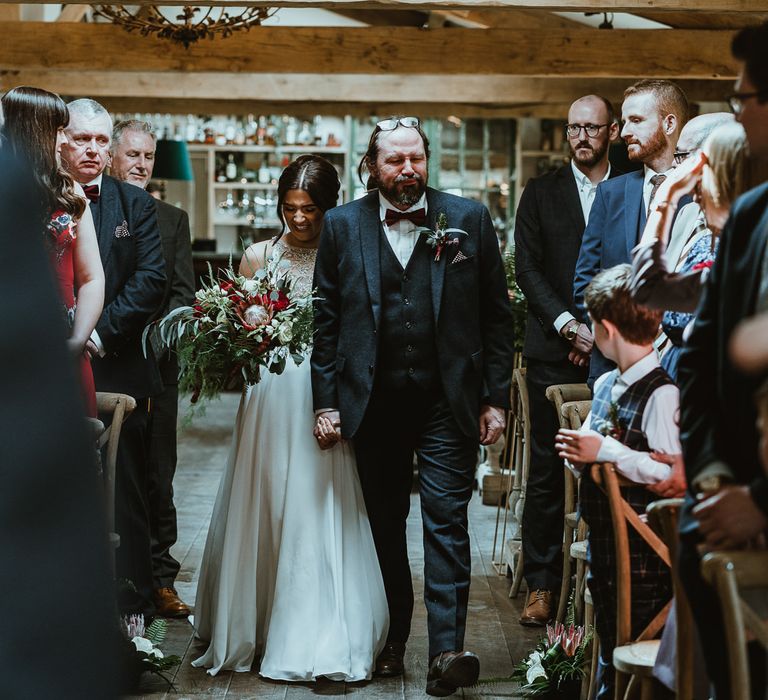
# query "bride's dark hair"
(33, 118)
(314, 175)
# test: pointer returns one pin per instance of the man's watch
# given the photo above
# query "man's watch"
(570, 331)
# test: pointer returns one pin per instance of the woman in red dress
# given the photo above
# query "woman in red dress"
(34, 131)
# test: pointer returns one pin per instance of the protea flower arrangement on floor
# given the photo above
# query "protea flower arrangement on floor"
(141, 652)
(557, 664)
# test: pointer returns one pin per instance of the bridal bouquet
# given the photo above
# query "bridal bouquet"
(237, 327)
(557, 664)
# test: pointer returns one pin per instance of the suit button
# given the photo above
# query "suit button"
(408, 324)
(370, 369)
(406, 301)
(411, 370)
(410, 348)
(405, 277)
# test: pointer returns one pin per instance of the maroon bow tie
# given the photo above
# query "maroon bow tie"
(92, 192)
(418, 216)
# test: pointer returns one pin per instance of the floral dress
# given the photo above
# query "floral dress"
(674, 322)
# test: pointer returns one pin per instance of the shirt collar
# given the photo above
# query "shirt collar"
(96, 181)
(639, 369)
(582, 180)
(648, 173)
(385, 204)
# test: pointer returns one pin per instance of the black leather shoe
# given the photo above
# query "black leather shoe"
(390, 661)
(451, 670)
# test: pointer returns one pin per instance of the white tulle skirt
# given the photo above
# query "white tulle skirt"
(289, 572)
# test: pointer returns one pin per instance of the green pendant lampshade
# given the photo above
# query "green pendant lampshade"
(172, 161)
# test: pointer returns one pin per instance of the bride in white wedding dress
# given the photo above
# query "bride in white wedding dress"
(289, 573)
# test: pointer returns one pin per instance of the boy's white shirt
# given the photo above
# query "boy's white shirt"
(660, 423)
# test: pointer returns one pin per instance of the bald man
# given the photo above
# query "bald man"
(553, 213)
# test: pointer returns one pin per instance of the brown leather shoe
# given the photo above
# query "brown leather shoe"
(538, 609)
(451, 670)
(390, 662)
(169, 604)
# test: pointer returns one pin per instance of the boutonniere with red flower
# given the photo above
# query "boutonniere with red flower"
(706, 265)
(440, 238)
(614, 426)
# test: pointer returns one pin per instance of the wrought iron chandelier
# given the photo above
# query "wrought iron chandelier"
(193, 24)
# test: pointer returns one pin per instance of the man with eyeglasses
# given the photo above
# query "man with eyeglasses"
(551, 217)
(653, 112)
(727, 502)
(413, 355)
(134, 273)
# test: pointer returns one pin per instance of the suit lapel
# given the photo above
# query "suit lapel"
(634, 211)
(370, 235)
(569, 192)
(757, 253)
(108, 210)
(436, 267)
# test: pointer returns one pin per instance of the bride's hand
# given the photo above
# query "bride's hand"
(327, 429)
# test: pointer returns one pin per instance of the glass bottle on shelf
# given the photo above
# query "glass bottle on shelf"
(190, 130)
(291, 131)
(271, 132)
(264, 175)
(231, 169)
(305, 137)
(240, 133)
(261, 132)
(250, 129)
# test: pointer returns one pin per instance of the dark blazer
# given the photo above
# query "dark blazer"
(129, 242)
(717, 409)
(615, 221)
(548, 232)
(176, 243)
(179, 275)
(473, 321)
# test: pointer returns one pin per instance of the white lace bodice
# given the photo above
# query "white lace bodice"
(302, 262)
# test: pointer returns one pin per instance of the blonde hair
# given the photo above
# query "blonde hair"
(727, 172)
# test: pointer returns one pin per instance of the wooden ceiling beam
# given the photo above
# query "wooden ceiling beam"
(343, 89)
(706, 20)
(374, 50)
(10, 12)
(553, 5)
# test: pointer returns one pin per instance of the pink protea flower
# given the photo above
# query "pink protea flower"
(134, 625)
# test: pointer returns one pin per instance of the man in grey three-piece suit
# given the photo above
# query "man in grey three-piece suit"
(413, 354)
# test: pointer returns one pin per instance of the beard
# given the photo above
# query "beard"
(592, 157)
(403, 195)
(652, 147)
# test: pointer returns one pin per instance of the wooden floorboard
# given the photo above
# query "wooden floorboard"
(492, 628)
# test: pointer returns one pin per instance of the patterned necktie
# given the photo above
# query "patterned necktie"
(656, 181)
(418, 216)
(92, 192)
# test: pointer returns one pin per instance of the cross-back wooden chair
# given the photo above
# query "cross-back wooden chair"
(663, 516)
(633, 659)
(521, 416)
(732, 574)
(119, 406)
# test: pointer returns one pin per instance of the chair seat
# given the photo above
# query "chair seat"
(572, 520)
(579, 550)
(637, 658)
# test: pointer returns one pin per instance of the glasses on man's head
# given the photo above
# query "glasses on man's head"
(737, 99)
(392, 124)
(680, 156)
(592, 130)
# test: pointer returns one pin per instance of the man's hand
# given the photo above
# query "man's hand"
(583, 341)
(674, 486)
(580, 359)
(493, 420)
(327, 429)
(730, 518)
(578, 446)
(91, 348)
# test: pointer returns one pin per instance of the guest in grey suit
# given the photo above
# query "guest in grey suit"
(133, 159)
(551, 217)
(654, 112)
(413, 354)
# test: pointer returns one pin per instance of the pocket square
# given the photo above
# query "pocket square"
(458, 258)
(122, 231)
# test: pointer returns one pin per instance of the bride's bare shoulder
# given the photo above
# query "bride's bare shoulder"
(254, 258)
